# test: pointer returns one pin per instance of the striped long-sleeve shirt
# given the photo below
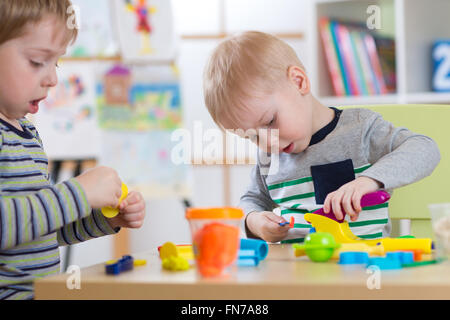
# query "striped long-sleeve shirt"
(36, 217)
(358, 142)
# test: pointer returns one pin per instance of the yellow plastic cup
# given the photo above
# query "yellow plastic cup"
(215, 239)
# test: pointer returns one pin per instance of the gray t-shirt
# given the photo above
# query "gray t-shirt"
(358, 142)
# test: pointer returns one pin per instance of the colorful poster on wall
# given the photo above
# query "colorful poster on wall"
(138, 108)
(145, 30)
(67, 121)
(96, 37)
(139, 98)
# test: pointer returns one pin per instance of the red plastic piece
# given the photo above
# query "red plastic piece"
(291, 222)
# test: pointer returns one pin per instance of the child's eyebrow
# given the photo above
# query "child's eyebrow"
(49, 52)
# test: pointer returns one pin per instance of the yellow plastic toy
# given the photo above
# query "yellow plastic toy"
(175, 258)
(359, 247)
(405, 244)
(139, 262)
(169, 249)
(175, 264)
(340, 231)
(343, 234)
(112, 212)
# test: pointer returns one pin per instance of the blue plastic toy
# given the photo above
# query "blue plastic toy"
(385, 263)
(126, 263)
(392, 260)
(405, 257)
(352, 257)
(251, 252)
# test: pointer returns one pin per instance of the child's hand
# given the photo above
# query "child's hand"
(102, 186)
(265, 225)
(349, 197)
(132, 212)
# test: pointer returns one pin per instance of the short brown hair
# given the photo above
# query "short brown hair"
(16, 14)
(240, 67)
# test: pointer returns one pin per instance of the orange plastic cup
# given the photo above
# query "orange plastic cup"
(215, 239)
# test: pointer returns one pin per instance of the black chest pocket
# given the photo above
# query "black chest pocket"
(330, 177)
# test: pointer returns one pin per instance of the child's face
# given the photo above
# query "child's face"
(288, 110)
(28, 67)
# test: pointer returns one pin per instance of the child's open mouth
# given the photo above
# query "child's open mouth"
(34, 105)
(289, 148)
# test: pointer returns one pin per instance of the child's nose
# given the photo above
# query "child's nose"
(51, 79)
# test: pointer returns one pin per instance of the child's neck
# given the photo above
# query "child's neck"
(322, 115)
(14, 122)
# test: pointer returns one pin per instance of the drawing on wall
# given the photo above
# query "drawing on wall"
(143, 98)
(143, 12)
(68, 114)
(138, 107)
(145, 29)
(95, 35)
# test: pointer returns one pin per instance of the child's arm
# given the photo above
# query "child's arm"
(131, 215)
(93, 226)
(398, 157)
(25, 218)
(260, 221)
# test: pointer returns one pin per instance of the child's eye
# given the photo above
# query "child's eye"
(271, 122)
(36, 64)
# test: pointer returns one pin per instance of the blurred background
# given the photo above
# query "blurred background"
(130, 91)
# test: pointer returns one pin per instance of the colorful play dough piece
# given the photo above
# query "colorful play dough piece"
(216, 246)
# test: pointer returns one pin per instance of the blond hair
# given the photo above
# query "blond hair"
(242, 66)
(15, 15)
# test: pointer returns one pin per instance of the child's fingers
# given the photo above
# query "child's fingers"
(134, 220)
(356, 201)
(132, 198)
(274, 224)
(336, 205)
(136, 207)
(347, 204)
(326, 204)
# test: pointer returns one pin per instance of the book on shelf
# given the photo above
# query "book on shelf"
(359, 61)
(332, 58)
(386, 52)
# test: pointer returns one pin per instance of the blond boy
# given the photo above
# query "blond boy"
(325, 157)
(35, 216)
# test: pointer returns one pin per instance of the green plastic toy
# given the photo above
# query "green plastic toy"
(318, 246)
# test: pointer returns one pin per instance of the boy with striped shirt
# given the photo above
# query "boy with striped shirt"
(37, 217)
(310, 156)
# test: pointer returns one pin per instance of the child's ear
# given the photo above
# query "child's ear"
(298, 76)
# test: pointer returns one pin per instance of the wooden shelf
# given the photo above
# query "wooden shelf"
(411, 98)
(414, 24)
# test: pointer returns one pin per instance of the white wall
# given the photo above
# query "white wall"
(165, 218)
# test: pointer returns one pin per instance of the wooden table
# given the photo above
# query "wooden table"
(280, 276)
